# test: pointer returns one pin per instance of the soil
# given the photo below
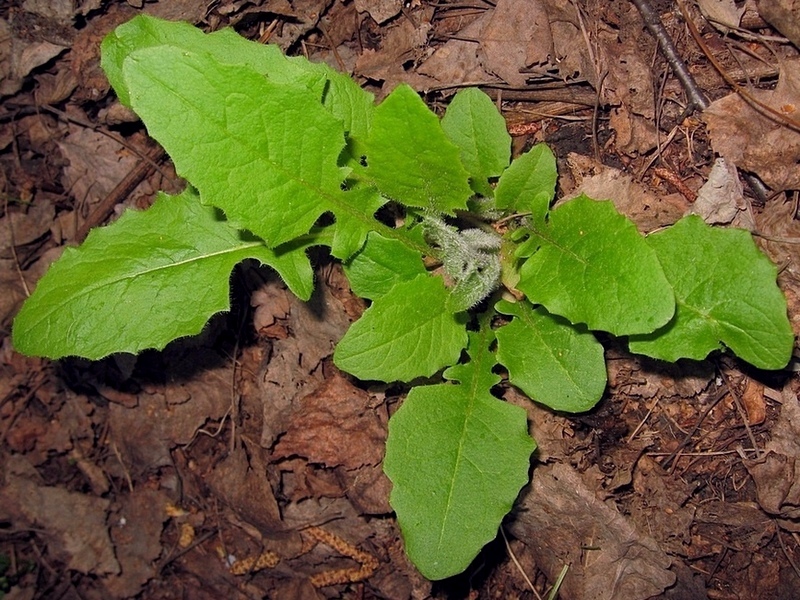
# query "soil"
(243, 464)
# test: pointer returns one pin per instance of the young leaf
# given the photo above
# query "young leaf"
(470, 257)
(473, 123)
(410, 158)
(265, 153)
(381, 264)
(406, 333)
(549, 359)
(143, 281)
(726, 293)
(529, 183)
(590, 265)
(457, 458)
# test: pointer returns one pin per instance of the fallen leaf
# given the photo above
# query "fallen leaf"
(73, 524)
(23, 225)
(755, 142)
(783, 15)
(777, 473)
(292, 371)
(722, 13)
(402, 42)
(721, 199)
(457, 60)
(516, 36)
(146, 433)
(380, 10)
(240, 480)
(96, 164)
(754, 403)
(565, 524)
(648, 210)
(136, 527)
(334, 426)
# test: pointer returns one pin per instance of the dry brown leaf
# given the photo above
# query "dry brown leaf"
(722, 13)
(380, 10)
(292, 370)
(96, 164)
(516, 36)
(334, 426)
(754, 402)
(777, 473)
(136, 528)
(23, 225)
(402, 41)
(73, 524)
(146, 433)
(755, 142)
(240, 480)
(457, 60)
(563, 522)
(783, 15)
(648, 210)
(721, 199)
(629, 81)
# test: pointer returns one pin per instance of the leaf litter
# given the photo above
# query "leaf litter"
(246, 442)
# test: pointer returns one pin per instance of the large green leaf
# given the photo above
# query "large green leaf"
(726, 293)
(410, 157)
(550, 359)
(529, 183)
(457, 458)
(588, 263)
(143, 281)
(266, 153)
(473, 123)
(340, 94)
(406, 333)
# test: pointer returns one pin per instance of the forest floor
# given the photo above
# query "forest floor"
(243, 464)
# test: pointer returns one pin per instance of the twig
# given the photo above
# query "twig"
(697, 98)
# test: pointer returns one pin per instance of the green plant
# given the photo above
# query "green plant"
(270, 144)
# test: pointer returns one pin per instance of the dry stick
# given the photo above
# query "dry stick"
(696, 96)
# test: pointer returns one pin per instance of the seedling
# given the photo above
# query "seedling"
(481, 271)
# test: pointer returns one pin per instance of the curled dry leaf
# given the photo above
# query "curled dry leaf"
(755, 141)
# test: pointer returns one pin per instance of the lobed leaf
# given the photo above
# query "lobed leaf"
(143, 281)
(406, 333)
(549, 359)
(588, 263)
(726, 295)
(410, 158)
(265, 153)
(343, 97)
(473, 123)
(457, 458)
